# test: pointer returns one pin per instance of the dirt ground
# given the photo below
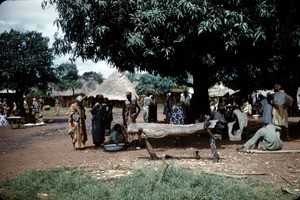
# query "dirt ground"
(49, 146)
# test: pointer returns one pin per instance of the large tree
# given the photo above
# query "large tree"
(209, 39)
(149, 82)
(68, 76)
(25, 62)
(93, 75)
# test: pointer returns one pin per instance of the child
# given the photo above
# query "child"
(117, 135)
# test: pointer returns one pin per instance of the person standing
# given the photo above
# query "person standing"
(168, 106)
(186, 99)
(41, 103)
(219, 115)
(147, 102)
(178, 112)
(36, 107)
(27, 110)
(280, 102)
(98, 113)
(266, 108)
(130, 110)
(57, 106)
(152, 110)
(108, 115)
(77, 128)
(15, 108)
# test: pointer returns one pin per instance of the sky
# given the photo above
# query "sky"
(28, 15)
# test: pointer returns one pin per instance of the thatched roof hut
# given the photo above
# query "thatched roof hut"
(87, 87)
(115, 87)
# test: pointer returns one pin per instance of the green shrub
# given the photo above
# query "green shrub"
(69, 183)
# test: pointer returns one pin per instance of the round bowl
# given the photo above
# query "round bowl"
(114, 147)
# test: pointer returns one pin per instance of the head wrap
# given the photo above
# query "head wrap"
(128, 93)
(79, 98)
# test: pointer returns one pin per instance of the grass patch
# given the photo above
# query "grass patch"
(69, 183)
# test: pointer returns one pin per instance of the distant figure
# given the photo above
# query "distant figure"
(3, 120)
(6, 108)
(77, 128)
(270, 137)
(219, 115)
(108, 115)
(14, 109)
(27, 111)
(266, 108)
(56, 106)
(98, 113)
(178, 113)
(147, 102)
(298, 98)
(168, 106)
(235, 128)
(130, 110)
(280, 102)
(298, 102)
(36, 107)
(41, 103)
(152, 110)
(186, 99)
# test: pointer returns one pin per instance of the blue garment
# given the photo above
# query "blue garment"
(115, 137)
(177, 115)
(267, 111)
(98, 128)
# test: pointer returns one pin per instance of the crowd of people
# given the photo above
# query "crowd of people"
(11, 109)
(275, 119)
(231, 114)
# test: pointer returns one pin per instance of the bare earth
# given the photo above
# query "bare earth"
(49, 146)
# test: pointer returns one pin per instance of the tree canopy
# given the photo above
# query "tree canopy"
(68, 77)
(233, 41)
(25, 62)
(154, 83)
(94, 75)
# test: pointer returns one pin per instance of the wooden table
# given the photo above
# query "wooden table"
(14, 121)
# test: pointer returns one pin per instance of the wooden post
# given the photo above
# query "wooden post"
(150, 150)
(212, 140)
(163, 172)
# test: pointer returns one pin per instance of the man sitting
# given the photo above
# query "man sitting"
(270, 137)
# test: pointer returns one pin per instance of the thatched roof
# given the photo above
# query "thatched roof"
(220, 90)
(87, 87)
(115, 87)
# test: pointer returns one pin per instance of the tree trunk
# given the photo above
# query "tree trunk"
(20, 103)
(200, 101)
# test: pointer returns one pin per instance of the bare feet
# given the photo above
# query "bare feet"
(238, 148)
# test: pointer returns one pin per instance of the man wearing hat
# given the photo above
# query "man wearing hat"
(280, 102)
(77, 128)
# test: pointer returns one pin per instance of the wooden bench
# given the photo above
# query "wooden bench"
(155, 130)
(15, 121)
